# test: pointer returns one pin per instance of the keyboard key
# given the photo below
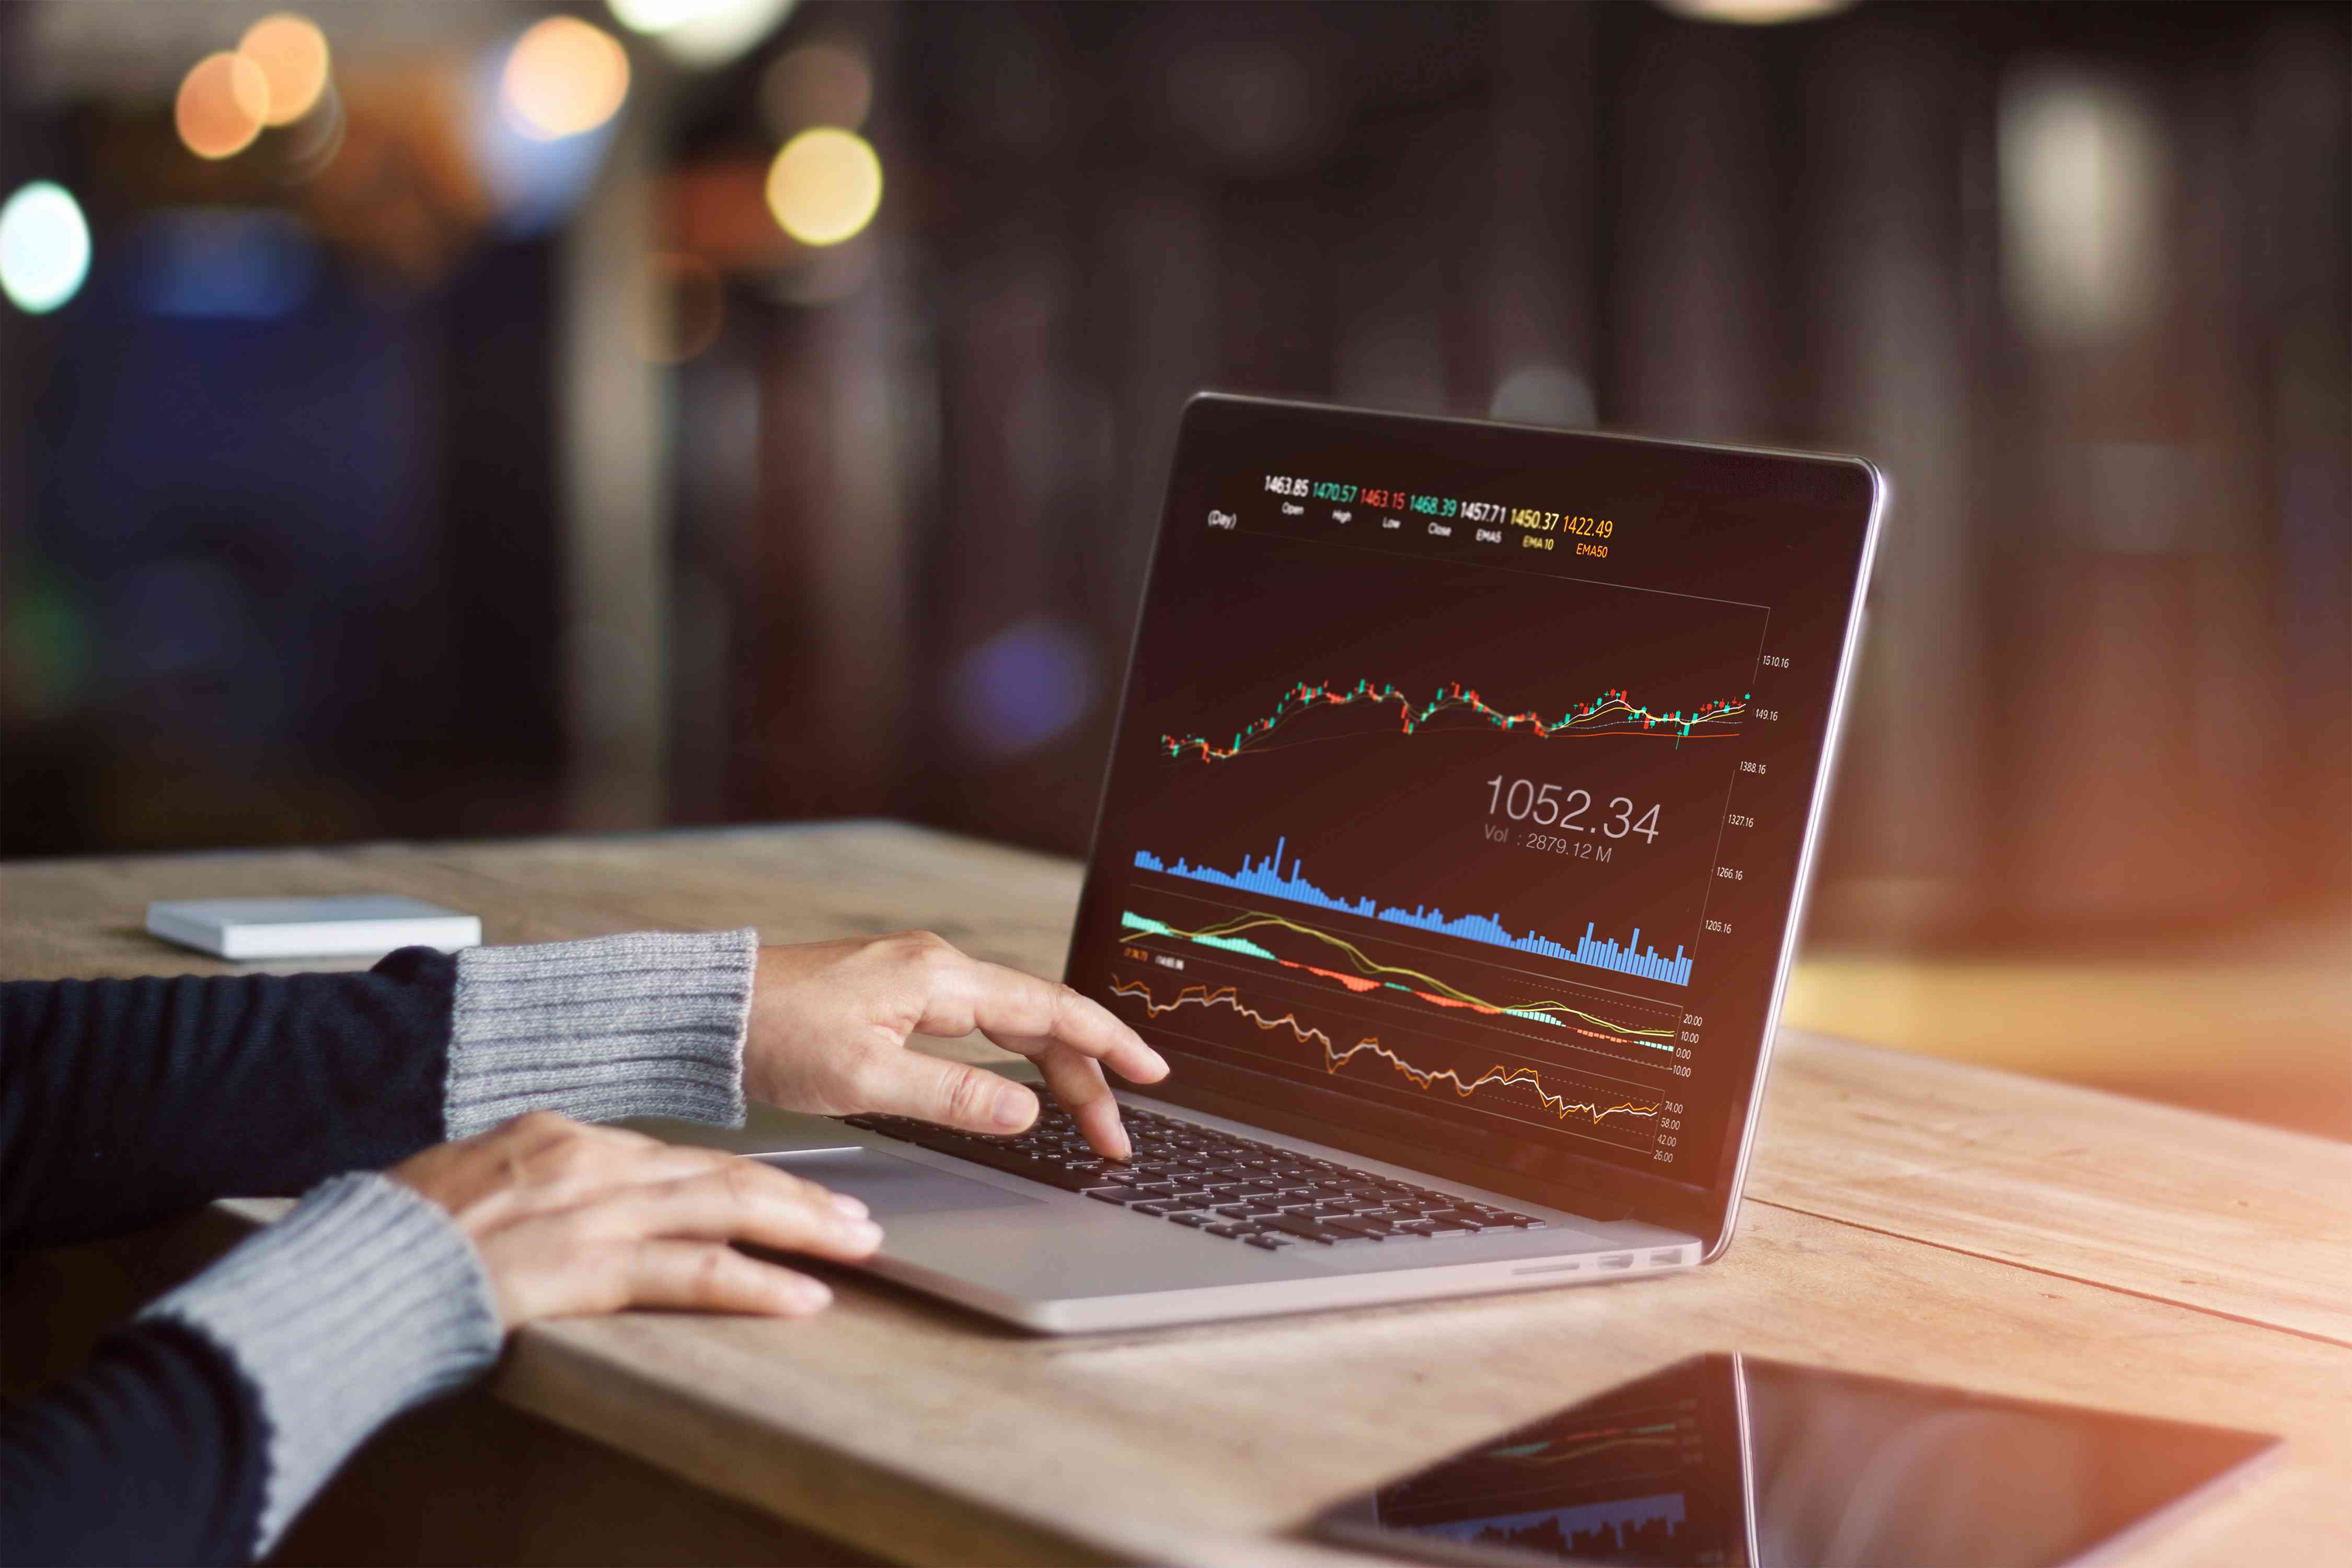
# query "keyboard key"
(1247, 1211)
(1271, 1241)
(1232, 1229)
(1195, 1218)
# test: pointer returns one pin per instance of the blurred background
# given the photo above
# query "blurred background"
(435, 420)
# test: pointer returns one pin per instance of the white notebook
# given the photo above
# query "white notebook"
(361, 925)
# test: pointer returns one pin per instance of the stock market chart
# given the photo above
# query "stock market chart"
(1452, 800)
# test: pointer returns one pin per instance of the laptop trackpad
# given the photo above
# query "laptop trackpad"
(894, 1186)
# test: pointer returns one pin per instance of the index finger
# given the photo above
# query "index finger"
(1027, 1014)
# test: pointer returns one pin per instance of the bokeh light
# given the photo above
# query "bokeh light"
(2083, 176)
(1024, 688)
(44, 247)
(826, 185)
(816, 84)
(223, 102)
(292, 54)
(563, 77)
(702, 33)
(1754, 13)
(533, 184)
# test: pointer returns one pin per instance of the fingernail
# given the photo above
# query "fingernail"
(1126, 1144)
(808, 1296)
(863, 1232)
(1012, 1107)
(852, 1208)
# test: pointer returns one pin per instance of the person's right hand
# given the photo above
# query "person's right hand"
(830, 1023)
(572, 1220)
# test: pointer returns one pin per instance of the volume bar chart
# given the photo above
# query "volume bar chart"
(1266, 876)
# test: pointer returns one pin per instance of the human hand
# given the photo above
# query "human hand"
(572, 1220)
(830, 1021)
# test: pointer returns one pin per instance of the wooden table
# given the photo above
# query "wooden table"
(1905, 1216)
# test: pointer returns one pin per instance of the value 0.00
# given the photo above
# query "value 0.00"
(1548, 806)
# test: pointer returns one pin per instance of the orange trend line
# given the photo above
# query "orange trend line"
(1223, 997)
(1501, 1077)
(1334, 1058)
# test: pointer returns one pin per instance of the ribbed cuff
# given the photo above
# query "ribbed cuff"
(363, 1301)
(646, 1024)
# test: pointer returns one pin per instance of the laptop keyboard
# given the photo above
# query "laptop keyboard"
(1216, 1183)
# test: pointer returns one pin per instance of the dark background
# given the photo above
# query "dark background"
(372, 499)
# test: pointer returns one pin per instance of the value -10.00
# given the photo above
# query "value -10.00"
(1523, 800)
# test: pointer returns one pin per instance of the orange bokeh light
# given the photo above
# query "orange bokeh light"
(563, 77)
(222, 104)
(292, 54)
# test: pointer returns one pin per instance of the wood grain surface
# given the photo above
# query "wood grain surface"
(1907, 1217)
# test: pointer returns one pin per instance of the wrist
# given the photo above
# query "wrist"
(648, 1024)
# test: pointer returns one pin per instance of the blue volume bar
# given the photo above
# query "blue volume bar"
(1268, 878)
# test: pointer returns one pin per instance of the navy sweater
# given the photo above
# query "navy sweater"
(125, 1101)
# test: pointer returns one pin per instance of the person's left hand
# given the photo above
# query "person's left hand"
(830, 1021)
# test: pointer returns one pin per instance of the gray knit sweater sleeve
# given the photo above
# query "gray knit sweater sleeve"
(367, 1299)
(649, 1024)
(364, 1301)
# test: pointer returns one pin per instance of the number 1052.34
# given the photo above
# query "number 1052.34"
(1555, 806)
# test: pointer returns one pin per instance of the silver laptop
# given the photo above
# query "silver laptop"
(1451, 851)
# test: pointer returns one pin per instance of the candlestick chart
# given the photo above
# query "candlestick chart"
(1612, 712)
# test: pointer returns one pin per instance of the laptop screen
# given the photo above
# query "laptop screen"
(1462, 787)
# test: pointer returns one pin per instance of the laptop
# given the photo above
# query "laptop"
(1452, 849)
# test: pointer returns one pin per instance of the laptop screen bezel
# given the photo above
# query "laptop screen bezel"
(1590, 1187)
